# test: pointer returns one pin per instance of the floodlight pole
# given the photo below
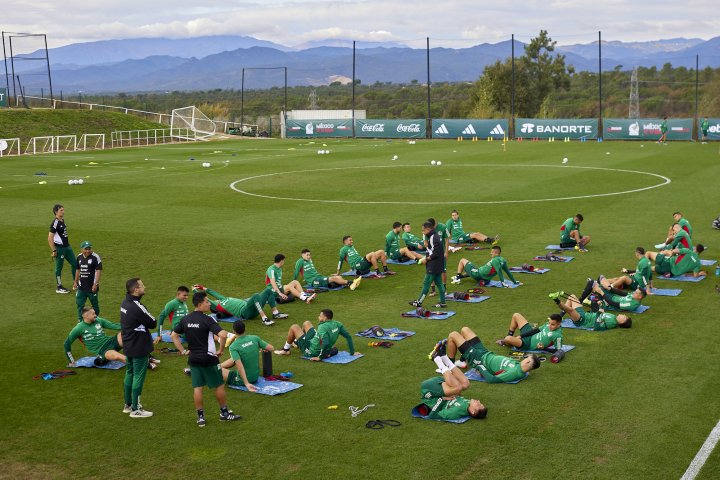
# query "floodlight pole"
(600, 111)
(47, 59)
(353, 91)
(7, 80)
(512, 93)
(697, 79)
(428, 123)
(285, 106)
(12, 66)
(242, 99)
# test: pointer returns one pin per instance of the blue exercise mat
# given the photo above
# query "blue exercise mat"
(272, 388)
(564, 348)
(708, 263)
(499, 284)
(639, 309)
(351, 273)
(165, 337)
(666, 292)
(416, 413)
(224, 319)
(443, 316)
(681, 278)
(406, 262)
(558, 247)
(390, 334)
(567, 323)
(89, 362)
(472, 374)
(477, 299)
(537, 271)
(462, 244)
(561, 259)
(341, 357)
(323, 289)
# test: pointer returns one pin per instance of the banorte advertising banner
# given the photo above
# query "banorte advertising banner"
(646, 128)
(318, 128)
(412, 128)
(470, 128)
(574, 129)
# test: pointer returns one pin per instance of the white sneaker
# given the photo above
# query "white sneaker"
(660, 246)
(140, 413)
(455, 280)
(460, 364)
(267, 322)
(454, 249)
(282, 351)
(127, 409)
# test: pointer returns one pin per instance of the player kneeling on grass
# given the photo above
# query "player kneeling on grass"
(244, 357)
(318, 344)
(494, 368)
(440, 395)
(413, 243)
(393, 250)
(273, 280)
(434, 266)
(495, 266)
(313, 279)
(458, 235)
(599, 320)
(679, 261)
(531, 338)
(640, 278)
(361, 265)
(90, 331)
(244, 309)
(199, 331)
(570, 235)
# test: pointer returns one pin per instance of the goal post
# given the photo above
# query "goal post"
(192, 118)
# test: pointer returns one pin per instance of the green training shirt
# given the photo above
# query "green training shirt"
(412, 241)
(548, 338)
(246, 349)
(92, 334)
(174, 311)
(306, 268)
(349, 254)
(495, 266)
(568, 226)
(447, 409)
(643, 273)
(392, 243)
(233, 305)
(275, 273)
(327, 334)
(455, 227)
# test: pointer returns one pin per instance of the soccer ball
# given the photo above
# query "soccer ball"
(70, 182)
(433, 162)
(439, 163)
(80, 181)
(565, 160)
(146, 159)
(395, 157)
(206, 164)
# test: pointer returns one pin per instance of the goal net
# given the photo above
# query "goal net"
(192, 118)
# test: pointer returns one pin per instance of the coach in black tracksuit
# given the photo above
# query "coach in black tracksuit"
(136, 324)
(433, 266)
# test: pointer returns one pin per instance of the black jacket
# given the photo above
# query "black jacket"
(435, 254)
(136, 323)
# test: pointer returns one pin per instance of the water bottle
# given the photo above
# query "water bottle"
(717, 270)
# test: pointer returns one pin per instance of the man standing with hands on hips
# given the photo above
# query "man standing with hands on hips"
(136, 323)
(60, 248)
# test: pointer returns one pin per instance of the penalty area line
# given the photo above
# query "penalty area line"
(703, 454)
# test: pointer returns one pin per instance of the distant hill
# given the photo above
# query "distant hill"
(203, 63)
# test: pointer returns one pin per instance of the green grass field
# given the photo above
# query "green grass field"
(624, 404)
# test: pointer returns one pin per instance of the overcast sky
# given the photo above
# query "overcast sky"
(450, 23)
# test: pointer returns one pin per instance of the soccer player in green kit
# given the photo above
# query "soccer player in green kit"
(361, 265)
(60, 248)
(663, 131)
(244, 309)
(619, 299)
(641, 277)
(704, 127)
(273, 282)
(90, 331)
(440, 395)
(493, 368)
(495, 266)
(412, 242)
(319, 343)
(244, 357)
(174, 311)
(679, 261)
(598, 321)
(673, 232)
(87, 278)
(393, 250)
(570, 235)
(458, 235)
(434, 266)
(548, 336)
(313, 279)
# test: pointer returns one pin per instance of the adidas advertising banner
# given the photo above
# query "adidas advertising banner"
(647, 129)
(318, 128)
(453, 128)
(413, 128)
(713, 132)
(575, 129)
(3, 97)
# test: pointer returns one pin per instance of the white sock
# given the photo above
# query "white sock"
(448, 363)
(303, 296)
(287, 346)
(441, 365)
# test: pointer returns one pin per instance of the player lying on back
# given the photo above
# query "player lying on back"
(495, 266)
(598, 321)
(549, 336)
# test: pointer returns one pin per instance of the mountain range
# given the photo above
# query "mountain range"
(210, 62)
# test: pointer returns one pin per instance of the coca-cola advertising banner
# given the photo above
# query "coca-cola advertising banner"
(413, 128)
(318, 128)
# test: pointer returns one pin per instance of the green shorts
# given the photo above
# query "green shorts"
(321, 282)
(303, 342)
(111, 344)
(432, 388)
(464, 238)
(587, 319)
(210, 375)
(663, 264)
(363, 266)
(567, 242)
(475, 275)
(526, 340)
(235, 380)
